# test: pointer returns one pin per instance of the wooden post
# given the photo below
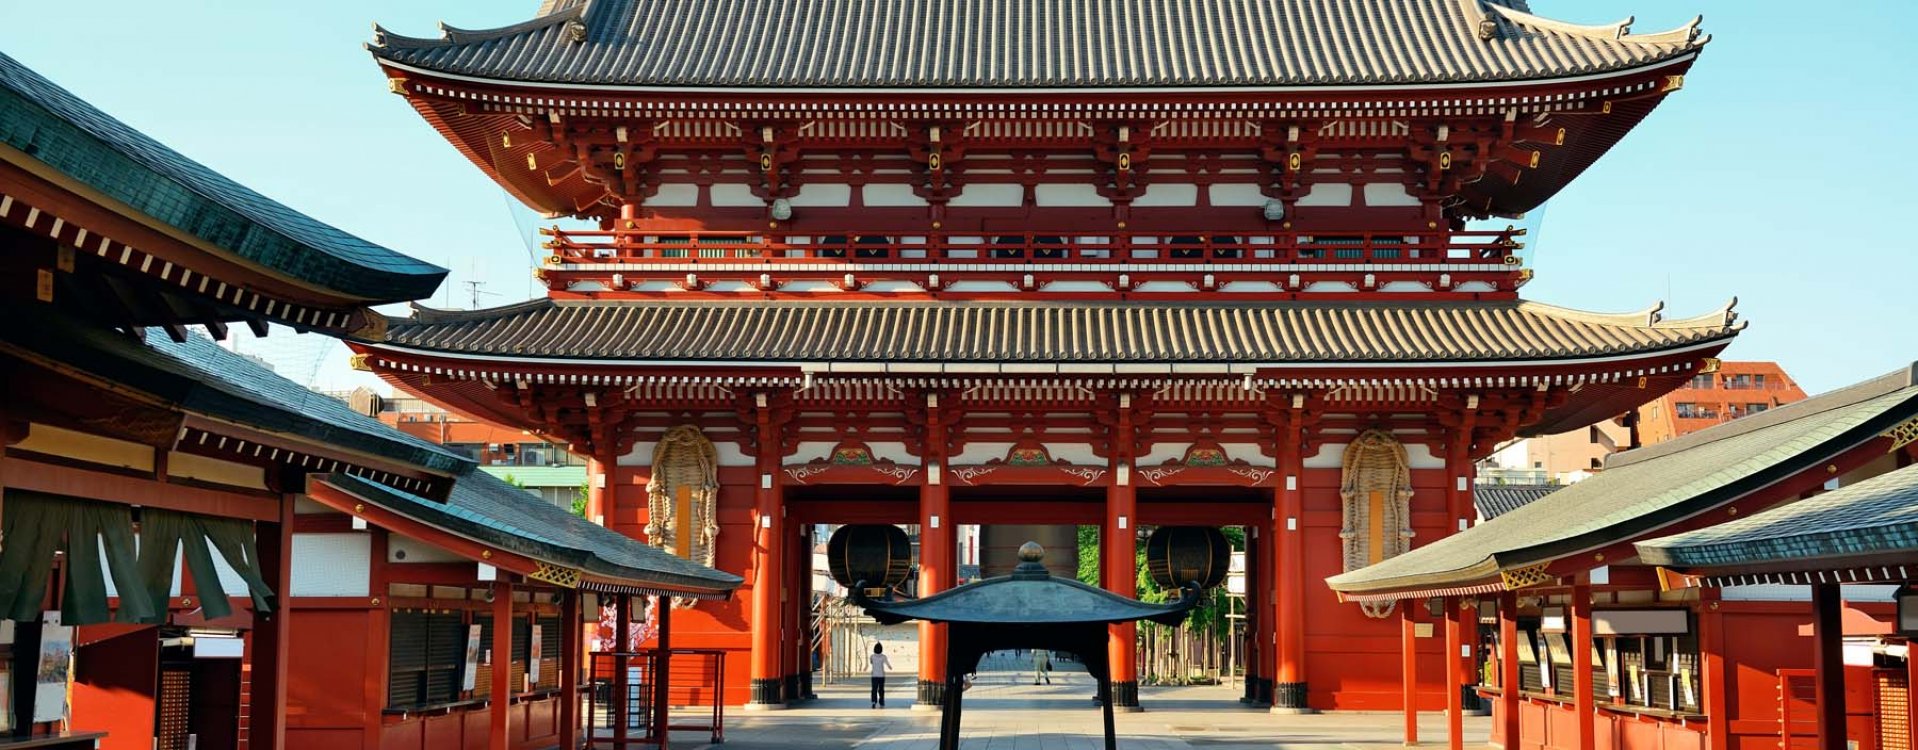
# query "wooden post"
(1829, 659)
(1122, 578)
(1454, 667)
(570, 632)
(936, 536)
(1714, 671)
(1584, 702)
(599, 488)
(766, 693)
(500, 709)
(1409, 668)
(271, 637)
(1289, 693)
(621, 714)
(1508, 679)
(663, 671)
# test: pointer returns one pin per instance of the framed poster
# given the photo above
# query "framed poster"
(471, 679)
(53, 671)
(533, 658)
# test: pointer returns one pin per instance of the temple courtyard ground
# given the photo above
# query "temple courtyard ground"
(1005, 711)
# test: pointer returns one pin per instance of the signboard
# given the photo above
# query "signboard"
(53, 671)
(471, 679)
(533, 658)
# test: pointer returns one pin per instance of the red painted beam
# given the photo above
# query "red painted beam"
(110, 487)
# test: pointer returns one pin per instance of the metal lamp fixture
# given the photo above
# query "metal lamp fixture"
(1274, 211)
(782, 209)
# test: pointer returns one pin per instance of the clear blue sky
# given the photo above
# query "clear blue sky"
(1780, 175)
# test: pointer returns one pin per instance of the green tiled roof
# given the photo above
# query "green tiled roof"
(487, 509)
(1876, 517)
(67, 134)
(541, 476)
(202, 378)
(1644, 490)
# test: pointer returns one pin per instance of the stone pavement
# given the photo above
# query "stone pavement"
(1004, 711)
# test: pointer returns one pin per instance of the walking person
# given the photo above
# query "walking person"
(879, 666)
(1041, 666)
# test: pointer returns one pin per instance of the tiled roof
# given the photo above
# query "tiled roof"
(1025, 332)
(201, 377)
(487, 509)
(1878, 516)
(65, 133)
(1034, 44)
(1494, 500)
(1644, 490)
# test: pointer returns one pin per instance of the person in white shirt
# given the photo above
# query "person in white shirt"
(879, 666)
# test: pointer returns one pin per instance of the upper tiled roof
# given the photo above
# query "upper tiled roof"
(51, 125)
(201, 377)
(1494, 500)
(1027, 332)
(1643, 490)
(1034, 44)
(488, 509)
(1878, 516)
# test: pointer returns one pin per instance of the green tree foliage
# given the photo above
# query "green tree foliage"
(1089, 555)
(579, 502)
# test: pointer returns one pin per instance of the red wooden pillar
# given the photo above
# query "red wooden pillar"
(1289, 693)
(663, 671)
(936, 534)
(1460, 511)
(1122, 578)
(1829, 659)
(599, 489)
(1257, 609)
(1454, 677)
(1409, 668)
(499, 710)
(768, 527)
(1584, 702)
(271, 633)
(1508, 679)
(1714, 671)
(622, 668)
(570, 632)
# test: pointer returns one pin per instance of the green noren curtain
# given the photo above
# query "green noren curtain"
(36, 526)
(165, 532)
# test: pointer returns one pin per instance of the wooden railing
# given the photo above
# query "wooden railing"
(1431, 247)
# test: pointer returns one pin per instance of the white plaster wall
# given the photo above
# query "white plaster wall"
(1403, 286)
(990, 195)
(727, 451)
(890, 195)
(1169, 194)
(1332, 456)
(1236, 195)
(734, 195)
(1388, 194)
(675, 194)
(823, 195)
(331, 564)
(1800, 593)
(1070, 194)
(1250, 287)
(1328, 194)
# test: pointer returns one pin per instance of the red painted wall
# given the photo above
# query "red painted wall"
(325, 704)
(115, 678)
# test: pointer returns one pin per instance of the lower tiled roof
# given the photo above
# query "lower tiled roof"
(1494, 500)
(998, 331)
(1878, 516)
(1644, 490)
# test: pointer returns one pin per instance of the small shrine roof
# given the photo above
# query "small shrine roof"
(49, 125)
(1494, 500)
(1643, 490)
(487, 509)
(1033, 44)
(1875, 518)
(199, 376)
(773, 332)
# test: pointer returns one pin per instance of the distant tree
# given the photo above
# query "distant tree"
(1089, 555)
(513, 480)
(579, 502)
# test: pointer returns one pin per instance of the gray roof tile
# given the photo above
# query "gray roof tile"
(992, 331)
(1033, 43)
(1878, 516)
(1494, 500)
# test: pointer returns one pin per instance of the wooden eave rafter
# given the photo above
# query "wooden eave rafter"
(166, 262)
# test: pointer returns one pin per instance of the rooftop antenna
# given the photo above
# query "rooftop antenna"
(473, 288)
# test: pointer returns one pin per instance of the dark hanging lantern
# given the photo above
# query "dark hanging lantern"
(878, 554)
(1178, 555)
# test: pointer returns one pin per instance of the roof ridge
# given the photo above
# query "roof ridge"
(1723, 317)
(1618, 31)
(424, 314)
(451, 35)
(1838, 398)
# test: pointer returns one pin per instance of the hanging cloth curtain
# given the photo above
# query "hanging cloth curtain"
(166, 536)
(38, 525)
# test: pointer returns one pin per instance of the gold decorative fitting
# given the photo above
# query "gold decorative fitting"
(1560, 140)
(358, 362)
(63, 259)
(359, 508)
(619, 160)
(1431, 225)
(1903, 434)
(556, 575)
(1831, 468)
(1674, 83)
(1519, 578)
(766, 162)
(1445, 160)
(486, 554)
(186, 601)
(1125, 162)
(505, 139)
(1121, 225)
(532, 163)
(936, 225)
(1512, 260)
(1294, 162)
(1606, 109)
(1731, 511)
(1709, 365)
(554, 260)
(1599, 556)
(1534, 164)
(396, 85)
(1642, 381)
(539, 273)
(933, 161)
(376, 601)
